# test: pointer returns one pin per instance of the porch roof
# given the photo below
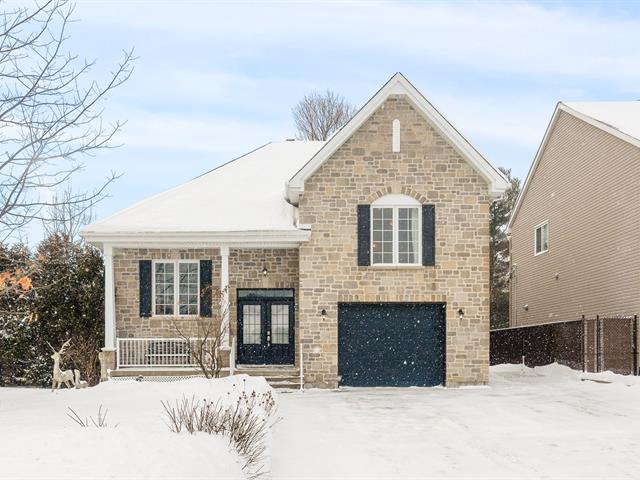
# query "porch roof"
(242, 198)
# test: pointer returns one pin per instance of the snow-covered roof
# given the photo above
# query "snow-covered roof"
(621, 116)
(251, 199)
(246, 194)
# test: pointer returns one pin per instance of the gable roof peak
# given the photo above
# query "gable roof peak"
(398, 84)
(618, 118)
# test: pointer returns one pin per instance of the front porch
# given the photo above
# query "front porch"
(166, 359)
(255, 311)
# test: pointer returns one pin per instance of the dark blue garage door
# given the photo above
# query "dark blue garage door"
(391, 344)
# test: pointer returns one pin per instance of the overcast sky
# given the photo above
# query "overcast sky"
(216, 79)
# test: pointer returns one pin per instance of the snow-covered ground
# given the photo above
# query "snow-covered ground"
(38, 440)
(529, 423)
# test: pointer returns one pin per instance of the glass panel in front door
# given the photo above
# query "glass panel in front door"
(280, 324)
(251, 324)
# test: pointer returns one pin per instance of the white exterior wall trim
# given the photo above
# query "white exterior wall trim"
(561, 107)
(265, 239)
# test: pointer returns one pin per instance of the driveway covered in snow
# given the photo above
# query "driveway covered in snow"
(543, 423)
(540, 423)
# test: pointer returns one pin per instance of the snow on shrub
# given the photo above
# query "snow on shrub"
(246, 423)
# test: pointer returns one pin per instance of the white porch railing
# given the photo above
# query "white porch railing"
(155, 352)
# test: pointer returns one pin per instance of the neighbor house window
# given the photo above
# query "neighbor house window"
(542, 238)
(175, 286)
(395, 231)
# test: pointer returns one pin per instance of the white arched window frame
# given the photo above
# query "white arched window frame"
(396, 231)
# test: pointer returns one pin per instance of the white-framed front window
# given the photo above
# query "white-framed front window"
(541, 238)
(395, 231)
(176, 287)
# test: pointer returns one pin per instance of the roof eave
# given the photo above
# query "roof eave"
(195, 239)
(532, 168)
(562, 107)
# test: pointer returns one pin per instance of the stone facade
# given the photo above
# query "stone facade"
(245, 271)
(324, 270)
(426, 168)
(129, 323)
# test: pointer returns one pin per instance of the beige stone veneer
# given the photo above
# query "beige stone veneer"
(245, 271)
(429, 169)
(324, 271)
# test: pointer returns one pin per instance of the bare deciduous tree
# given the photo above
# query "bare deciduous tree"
(206, 347)
(50, 113)
(67, 216)
(318, 115)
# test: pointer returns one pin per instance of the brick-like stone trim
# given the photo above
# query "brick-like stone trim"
(409, 191)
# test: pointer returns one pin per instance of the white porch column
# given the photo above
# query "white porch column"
(109, 300)
(224, 288)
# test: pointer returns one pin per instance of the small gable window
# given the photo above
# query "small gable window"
(541, 238)
(395, 231)
(395, 140)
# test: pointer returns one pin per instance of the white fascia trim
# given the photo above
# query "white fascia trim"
(534, 165)
(264, 239)
(601, 125)
(585, 118)
(398, 84)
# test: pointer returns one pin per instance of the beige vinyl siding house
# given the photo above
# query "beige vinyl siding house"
(360, 261)
(585, 186)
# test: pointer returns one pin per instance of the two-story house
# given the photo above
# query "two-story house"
(362, 260)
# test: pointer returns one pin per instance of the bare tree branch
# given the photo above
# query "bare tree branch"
(50, 115)
(318, 115)
(205, 348)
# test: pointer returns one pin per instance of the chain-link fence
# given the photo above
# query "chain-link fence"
(590, 344)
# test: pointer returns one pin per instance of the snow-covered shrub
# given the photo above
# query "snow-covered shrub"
(246, 422)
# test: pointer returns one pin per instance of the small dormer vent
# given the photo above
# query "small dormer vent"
(395, 142)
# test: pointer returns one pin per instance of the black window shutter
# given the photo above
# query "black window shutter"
(206, 273)
(364, 235)
(429, 235)
(145, 288)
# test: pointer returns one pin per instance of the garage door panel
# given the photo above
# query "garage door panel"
(391, 344)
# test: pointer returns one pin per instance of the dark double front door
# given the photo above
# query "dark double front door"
(266, 327)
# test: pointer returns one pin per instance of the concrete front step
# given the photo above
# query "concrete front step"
(281, 377)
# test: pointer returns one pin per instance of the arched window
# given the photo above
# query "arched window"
(395, 142)
(395, 231)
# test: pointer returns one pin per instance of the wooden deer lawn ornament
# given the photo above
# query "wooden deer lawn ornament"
(68, 377)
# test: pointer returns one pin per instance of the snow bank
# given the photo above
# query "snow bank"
(614, 378)
(547, 373)
(38, 440)
(556, 373)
